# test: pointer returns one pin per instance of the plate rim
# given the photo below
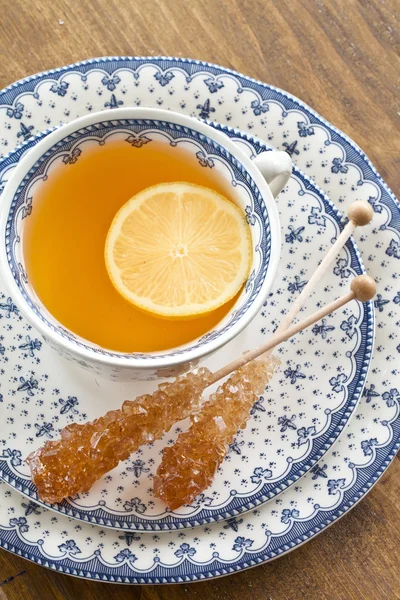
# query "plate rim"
(78, 570)
(368, 170)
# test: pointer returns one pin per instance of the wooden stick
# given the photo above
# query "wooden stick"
(360, 213)
(362, 288)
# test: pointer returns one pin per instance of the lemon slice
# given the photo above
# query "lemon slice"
(178, 250)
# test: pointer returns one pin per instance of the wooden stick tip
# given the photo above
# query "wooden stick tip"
(363, 287)
(360, 212)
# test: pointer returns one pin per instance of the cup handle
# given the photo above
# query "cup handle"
(276, 167)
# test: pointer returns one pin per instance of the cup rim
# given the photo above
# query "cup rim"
(46, 141)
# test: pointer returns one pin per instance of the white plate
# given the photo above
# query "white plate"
(362, 453)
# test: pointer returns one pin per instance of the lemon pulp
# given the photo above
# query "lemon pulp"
(178, 250)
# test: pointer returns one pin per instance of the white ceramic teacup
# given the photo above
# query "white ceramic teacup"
(255, 185)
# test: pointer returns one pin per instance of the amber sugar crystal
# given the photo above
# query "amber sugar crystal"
(188, 467)
(86, 452)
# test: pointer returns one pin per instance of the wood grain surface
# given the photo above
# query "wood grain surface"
(342, 58)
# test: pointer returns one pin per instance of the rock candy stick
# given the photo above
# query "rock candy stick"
(359, 213)
(85, 452)
(188, 467)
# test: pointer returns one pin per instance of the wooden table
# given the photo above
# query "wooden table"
(339, 56)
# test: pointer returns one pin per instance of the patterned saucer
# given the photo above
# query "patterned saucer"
(287, 434)
(371, 439)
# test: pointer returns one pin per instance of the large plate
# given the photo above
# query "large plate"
(363, 452)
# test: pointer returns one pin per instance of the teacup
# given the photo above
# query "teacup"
(255, 184)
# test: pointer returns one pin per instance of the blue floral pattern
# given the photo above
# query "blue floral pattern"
(185, 550)
(392, 397)
(213, 85)
(294, 235)
(20, 524)
(164, 78)
(60, 89)
(315, 507)
(394, 249)
(304, 434)
(242, 543)
(369, 393)
(348, 326)
(289, 514)
(259, 108)
(338, 166)
(16, 111)
(14, 456)
(111, 82)
(341, 269)
(337, 383)
(335, 484)
(259, 474)
(316, 217)
(304, 129)
(368, 445)
(69, 547)
(125, 555)
(323, 329)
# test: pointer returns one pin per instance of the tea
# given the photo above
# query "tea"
(65, 237)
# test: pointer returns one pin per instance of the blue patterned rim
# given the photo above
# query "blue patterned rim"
(300, 533)
(365, 478)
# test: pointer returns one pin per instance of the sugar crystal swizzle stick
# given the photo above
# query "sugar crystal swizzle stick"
(85, 452)
(188, 467)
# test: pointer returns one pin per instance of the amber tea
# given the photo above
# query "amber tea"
(65, 236)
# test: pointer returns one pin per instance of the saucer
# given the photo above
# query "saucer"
(287, 433)
(371, 439)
